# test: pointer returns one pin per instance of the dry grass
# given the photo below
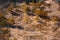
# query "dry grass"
(4, 34)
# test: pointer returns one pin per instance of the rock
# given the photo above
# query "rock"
(14, 13)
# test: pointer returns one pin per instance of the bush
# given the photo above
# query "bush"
(55, 18)
(4, 34)
(10, 7)
(40, 12)
(24, 7)
(4, 21)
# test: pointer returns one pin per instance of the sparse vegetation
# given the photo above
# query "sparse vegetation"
(37, 12)
(4, 21)
(55, 18)
(4, 34)
(26, 18)
(40, 13)
(24, 7)
(29, 18)
(15, 39)
(10, 7)
(10, 21)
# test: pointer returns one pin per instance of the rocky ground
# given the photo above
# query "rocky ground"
(28, 27)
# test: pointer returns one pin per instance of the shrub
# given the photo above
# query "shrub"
(24, 7)
(10, 20)
(10, 7)
(37, 12)
(32, 4)
(4, 21)
(37, 18)
(40, 13)
(4, 34)
(55, 18)
(43, 13)
(1, 15)
(15, 39)
(38, 4)
(26, 18)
